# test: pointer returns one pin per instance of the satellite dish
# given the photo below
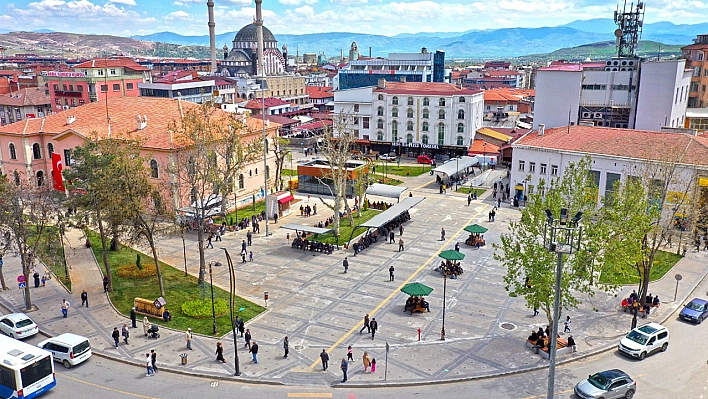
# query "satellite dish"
(618, 32)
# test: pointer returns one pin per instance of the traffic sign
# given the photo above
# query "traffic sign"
(20, 278)
(22, 284)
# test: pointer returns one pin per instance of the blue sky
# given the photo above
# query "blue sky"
(386, 17)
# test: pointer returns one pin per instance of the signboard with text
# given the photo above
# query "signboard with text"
(56, 74)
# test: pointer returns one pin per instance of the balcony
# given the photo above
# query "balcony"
(63, 93)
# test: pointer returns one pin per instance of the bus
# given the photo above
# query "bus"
(26, 371)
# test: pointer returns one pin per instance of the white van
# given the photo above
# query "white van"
(644, 340)
(68, 348)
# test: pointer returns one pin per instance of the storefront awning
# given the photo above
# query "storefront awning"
(385, 190)
(286, 199)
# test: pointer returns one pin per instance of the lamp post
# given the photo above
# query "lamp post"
(184, 252)
(457, 172)
(265, 151)
(484, 156)
(213, 311)
(61, 237)
(232, 306)
(442, 332)
(561, 236)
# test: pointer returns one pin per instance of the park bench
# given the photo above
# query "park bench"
(149, 308)
(628, 309)
(561, 347)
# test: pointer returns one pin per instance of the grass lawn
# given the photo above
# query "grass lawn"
(288, 172)
(379, 178)
(467, 190)
(405, 170)
(663, 262)
(345, 229)
(245, 212)
(52, 254)
(178, 289)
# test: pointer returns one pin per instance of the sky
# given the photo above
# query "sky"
(385, 17)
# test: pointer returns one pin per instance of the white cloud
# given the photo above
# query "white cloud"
(297, 2)
(179, 14)
(240, 2)
(126, 2)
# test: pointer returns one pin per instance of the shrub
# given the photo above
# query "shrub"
(138, 263)
(130, 271)
(202, 309)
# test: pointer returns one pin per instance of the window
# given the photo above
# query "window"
(365, 123)
(409, 125)
(104, 88)
(460, 128)
(460, 140)
(410, 100)
(379, 111)
(82, 102)
(56, 86)
(441, 134)
(409, 138)
(16, 174)
(57, 101)
(116, 87)
(356, 107)
(394, 131)
(256, 171)
(379, 136)
(36, 151)
(13, 151)
(543, 169)
(40, 178)
(409, 113)
(379, 124)
(241, 182)
(356, 121)
(532, 167)
(380, 97)
(426, 114)
(441, 102)
(154, 171)
(50, 149)
(462, 99)
(461, 114)
(394, 100)
(441, 114)
(522, 166)
(394, 112)
(554, 170)
(100, 72)
(425, 126)
(113, 71)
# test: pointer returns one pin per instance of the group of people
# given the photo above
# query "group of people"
(344, 366)
(633, 304)
(450, 268)
(539, 339)
(313, 246)
(380, 205)
(326, 223)
(414, 302)
(367, 239)
(308, 210)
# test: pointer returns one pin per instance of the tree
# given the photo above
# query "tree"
(522, 249)
(214, 147)
(279, 147)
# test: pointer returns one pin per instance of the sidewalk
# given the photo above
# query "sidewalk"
(320, 308)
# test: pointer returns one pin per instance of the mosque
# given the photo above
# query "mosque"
(242, 59)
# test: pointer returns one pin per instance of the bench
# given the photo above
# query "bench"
(417, 309)
(561, 348)
(148, 308)
(628, 309)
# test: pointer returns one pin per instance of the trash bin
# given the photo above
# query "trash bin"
(183, 356)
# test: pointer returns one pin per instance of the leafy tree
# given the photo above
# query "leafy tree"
(279, 148)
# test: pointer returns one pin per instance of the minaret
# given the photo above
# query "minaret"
(259, 32)
(212, 35)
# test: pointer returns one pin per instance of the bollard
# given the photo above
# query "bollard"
(419, 334)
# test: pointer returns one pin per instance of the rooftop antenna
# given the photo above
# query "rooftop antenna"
(629, 28)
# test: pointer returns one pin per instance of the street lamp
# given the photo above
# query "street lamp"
(265, 150)
(232, 306)
(442, 332)
(457, 173)
(484, 156)
(61, 238)
(211, 283)
(561, 236)
(184, 251)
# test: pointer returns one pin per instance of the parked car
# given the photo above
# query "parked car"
(18, 325)
(388, 157)
(695, 311)
(425, 159)
(609, 384)
(644, 340)
(69, 349)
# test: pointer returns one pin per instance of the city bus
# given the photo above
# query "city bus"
(26, 371)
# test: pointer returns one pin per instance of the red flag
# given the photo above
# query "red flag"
(57, 166)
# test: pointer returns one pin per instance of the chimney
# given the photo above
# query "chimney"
(382, 83)
(70, 119)
(541, 129)
(369, 51)
(142, 122)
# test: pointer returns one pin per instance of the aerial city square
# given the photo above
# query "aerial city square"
(353, 199)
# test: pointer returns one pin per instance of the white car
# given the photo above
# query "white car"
(69, 349)
(18, 325)
(388, 157)
(644, 340)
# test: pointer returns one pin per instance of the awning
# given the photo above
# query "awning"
(302, 227)
(391, 213)
(385, 190)
(285, 199)
(455, 165)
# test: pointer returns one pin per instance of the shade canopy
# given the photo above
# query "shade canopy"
(455, 166)
(385, 190)
(302, 227)
(392, 212)
(476, 229)
(416, 289)
(451, 254)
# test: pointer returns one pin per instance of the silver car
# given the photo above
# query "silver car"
(609, 384)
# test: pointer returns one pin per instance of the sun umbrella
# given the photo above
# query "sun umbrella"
(476, 229)
(416, 289)
(451, 254)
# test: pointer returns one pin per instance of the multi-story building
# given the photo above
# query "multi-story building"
(24, 104)
(408, 67)
(320, 96)
(412, 118)
(96, 80)
(696, 56)
(493, 78)
(613, 94)
(188, 86)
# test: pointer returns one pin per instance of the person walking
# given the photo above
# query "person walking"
(243, 255)
(400, 230)
(366, 325)
(65, 308)
(241, 327)
(345, 263)
(249, 238)
(457, 247)
(254, 351)
(390, 273)
(105, 284)
(350, 353)
(392, 237)
(243, 245)
(248, 338)
(314, 209)
(400, 245)
(373, 365)
(442, 234)
(133, 317)
(374, 325)
(148, 365)
(188, 338)
(220, 352)
(535, 310)
(116, 336)
(286, 347)
(325, 359)
(84, 298)
(344, 367)
(153, 359)
(367, 362)
(250, 256)
(566, 324)
(209, 244)
(469, 199)
(125, 333)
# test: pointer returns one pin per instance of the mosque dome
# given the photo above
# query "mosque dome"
(248, 34)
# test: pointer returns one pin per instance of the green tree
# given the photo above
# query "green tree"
(279, 148)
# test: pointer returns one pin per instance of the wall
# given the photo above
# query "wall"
(557, 93)
(663, 95)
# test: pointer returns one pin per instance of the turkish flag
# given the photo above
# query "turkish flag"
(57, 166)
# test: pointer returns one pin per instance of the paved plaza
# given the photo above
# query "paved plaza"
(319, 307)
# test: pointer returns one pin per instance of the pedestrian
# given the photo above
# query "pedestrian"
(188, 338)
(373, 365)
(286, 347)
(344, 368)
(535, 310)
(250, 256)
(275, 217)
(367, 362)
(249, 238)
(44, 276)
(571, 344)
(392, 237)
(494, 214)
(241, 327)
(243, 255)
(65, 308)
(36, 279)
(125, 333)
(410, 194)
(390, 273)
(254, 351)
(457, 246)
(220, 352)
(243, 245)
(345, 263)
(105, 284)
(400, 230)
(218, 235)
(148, 365)
(153, 359)
(499, 200)
(248, 338)
(366, 325)
(209, 244)
(314, 209)
(133, 317)
(116, 336)
(469, 199)
(84, 298)
(325, 359)
(400, 245)
(374, 325)
(442, 234)
(350, 353)
(567, 324)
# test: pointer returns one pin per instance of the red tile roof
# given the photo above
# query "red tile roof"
(281, 120)
(625, 143)
(425, 88)
(319, 92)
(269, 102)
(26, 96)
(478, 147)
(183, 76)
(314, 125)
(122, 62)
(91, 121)
(507, 94)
